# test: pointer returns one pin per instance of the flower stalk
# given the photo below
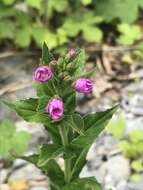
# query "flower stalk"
(55, 107)
(65, 142)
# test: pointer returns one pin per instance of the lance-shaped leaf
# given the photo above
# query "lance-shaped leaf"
(99, 122)
(51, 168)
(45, 89)
(69, 102)
(76, 122)
(79, 162)
(55, 174)
(42, 103)
(48, 152)
(31, 158)
(89, 183)
(80, 62)
(27, 110)
(47, 57)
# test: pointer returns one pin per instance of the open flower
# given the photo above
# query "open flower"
(71, 53)
(55, 108)
(43, 73)
(83, 85)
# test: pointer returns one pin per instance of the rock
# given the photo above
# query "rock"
(109, 182)
(122, 185)
(137, 186)
(38, 133)
(85, 172)
(118, 167)
(91, 153)
(39, 188)
(3, 175)
(113, 171)
(28, 172)
(100, 173)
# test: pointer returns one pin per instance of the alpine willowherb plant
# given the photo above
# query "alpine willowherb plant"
(72, 135)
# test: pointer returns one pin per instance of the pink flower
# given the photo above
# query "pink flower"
(83, 85)
(55, 108)
(43, 73)
(71, 53)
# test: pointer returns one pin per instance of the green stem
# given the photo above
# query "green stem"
(64, 137)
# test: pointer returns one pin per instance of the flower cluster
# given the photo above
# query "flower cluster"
(55, 106)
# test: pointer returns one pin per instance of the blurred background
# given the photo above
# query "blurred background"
(111, 31)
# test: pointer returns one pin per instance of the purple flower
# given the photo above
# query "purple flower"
(71, 53)
(55, 108)
(43, 73)
(83, 85)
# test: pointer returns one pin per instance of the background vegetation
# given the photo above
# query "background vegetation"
(59, 22)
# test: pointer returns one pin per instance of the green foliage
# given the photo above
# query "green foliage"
(73, 134)
(135, 178)
(57, 22)
(119, 9)
(137, 165)
(129, 34)
(84, 183)
(133, 147)
(34, 3)
(12, 141)
(117, 127)
(85, 24)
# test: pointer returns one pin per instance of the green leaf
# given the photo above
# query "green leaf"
(71, 27)
(27, 110)
(89, 74)
(47, 57)
(20, 142)
(76, 122)
(51, 168)
(47, 36)
(6, 11)
(46, 89)
(8, 2)
(136, 136)
(137, 165)
(94, 124)
(55, 174)
(12, 141)
(48, 152)
(92, 34)
(79, 163)
(70, 102)
(84, 184)
(80, 60)
(86, 2)
(23, 36)
(129, 33)
(62, 36)
(136, 178)
(57, 5)
(34, 3)
(31, 158)
(122, 10)
(42, 103)
(5, 25)
(117, 127)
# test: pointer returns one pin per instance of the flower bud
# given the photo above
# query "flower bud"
(43, 73)
(83, 85)
(55, 108)
(71, 53)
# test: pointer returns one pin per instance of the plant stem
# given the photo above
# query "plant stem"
(64, 137)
